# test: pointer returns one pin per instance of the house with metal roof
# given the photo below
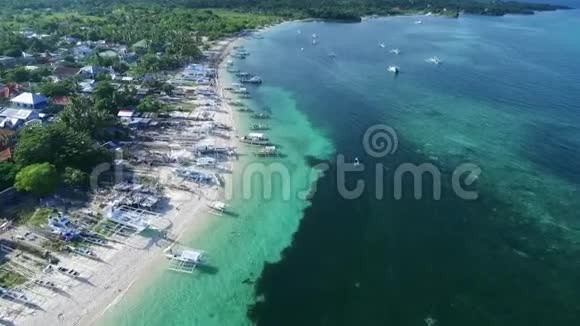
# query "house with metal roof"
(29, 101)
(14, 118)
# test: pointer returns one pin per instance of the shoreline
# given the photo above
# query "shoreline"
(126, 269)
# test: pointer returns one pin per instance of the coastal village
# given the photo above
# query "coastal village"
(70, 253)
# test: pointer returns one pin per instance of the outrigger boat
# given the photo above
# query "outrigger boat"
(268, 151)
(434, 60)
(259, 127)
(255, 138)
(262, 116)
(218, 208)
(251, 80)
(240, 90)
(245, 109)
(235, 103)
(84, 252)
(184, 261)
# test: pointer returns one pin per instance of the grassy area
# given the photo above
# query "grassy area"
(40, 216)
(10, 279)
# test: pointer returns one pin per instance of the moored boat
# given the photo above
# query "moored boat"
(268, 151)
(255, 138)
(262, 116)
(258, 127)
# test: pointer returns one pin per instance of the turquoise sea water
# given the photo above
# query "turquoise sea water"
(506, 98)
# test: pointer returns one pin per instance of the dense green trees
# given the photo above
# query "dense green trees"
(7, 173)
(58, 144)
(40, 179)
(74, 177)
(61, 88)
(12, 44)
(70, 146)
(21, 74)
(83, 115)
(150, 104)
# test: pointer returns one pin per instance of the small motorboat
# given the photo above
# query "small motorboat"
(434, 60)
(393, 69)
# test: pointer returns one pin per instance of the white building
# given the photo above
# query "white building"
(29, 101)
(15, 118)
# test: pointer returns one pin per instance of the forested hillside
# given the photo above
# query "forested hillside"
(337, 9)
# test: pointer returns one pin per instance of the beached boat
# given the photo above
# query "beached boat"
(13, 295)
(67, 271)
(85, 252)
(235, 103)
(218, 207)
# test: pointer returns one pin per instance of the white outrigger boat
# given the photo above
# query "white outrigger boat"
(256, 138)
(184, 261)
(218, 208)
(268, 151)
(395, 51)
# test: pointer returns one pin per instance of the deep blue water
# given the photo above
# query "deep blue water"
(506, 98)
